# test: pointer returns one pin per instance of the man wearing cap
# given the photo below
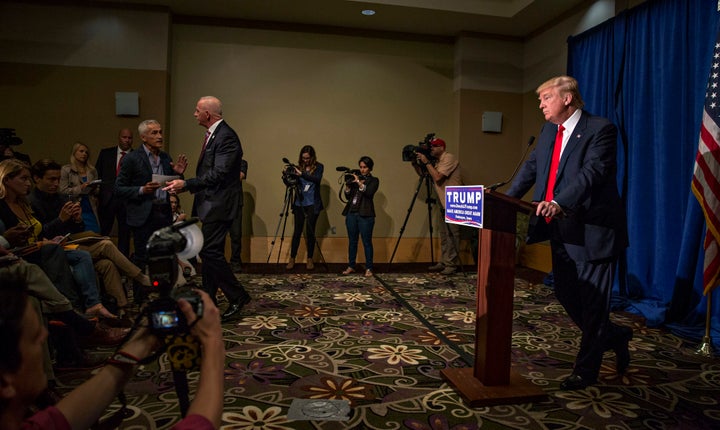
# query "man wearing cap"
(444, 170)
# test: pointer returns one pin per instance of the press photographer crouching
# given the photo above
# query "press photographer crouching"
(22, 379)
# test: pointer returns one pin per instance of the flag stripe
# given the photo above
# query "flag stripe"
(706, 174)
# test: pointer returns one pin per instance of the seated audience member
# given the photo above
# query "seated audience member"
(79, 179)
(23, 379)
(60, 217)
(57, 307)
(15, 210)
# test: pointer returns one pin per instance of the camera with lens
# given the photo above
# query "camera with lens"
(409, 152)
(289, 176)
(350, 179)
(163, 313)
(8, 137)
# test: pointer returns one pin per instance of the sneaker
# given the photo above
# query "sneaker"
(436, 267)
(448, 270)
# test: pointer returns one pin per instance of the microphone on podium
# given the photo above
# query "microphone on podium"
(493, 187)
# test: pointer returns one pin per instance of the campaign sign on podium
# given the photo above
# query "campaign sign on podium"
(491, 381)
(464, 205)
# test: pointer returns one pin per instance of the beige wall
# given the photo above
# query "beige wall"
(52, 106)
(60, 67)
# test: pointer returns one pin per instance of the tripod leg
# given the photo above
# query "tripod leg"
(280, 222)
(407, 216)
(430, 202)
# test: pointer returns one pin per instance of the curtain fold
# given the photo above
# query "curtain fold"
(646, 70)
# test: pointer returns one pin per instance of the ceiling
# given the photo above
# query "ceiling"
(439, 18)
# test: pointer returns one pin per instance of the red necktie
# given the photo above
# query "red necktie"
(554, 163)
(117, 169)
(205, 142)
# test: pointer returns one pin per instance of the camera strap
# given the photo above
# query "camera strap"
(183, 351)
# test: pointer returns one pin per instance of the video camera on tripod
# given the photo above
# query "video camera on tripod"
(409, 152)
(289, 174)
(164, 246)
(8, 137)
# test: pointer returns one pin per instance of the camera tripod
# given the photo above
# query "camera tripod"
(429, 201)
(290, 193)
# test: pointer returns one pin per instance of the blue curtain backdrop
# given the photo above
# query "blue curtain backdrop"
(647, 70)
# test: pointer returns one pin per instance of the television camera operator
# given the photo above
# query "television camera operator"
(444, 169)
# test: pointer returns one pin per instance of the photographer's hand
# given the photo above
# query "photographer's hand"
(208, 401)
(83, 406)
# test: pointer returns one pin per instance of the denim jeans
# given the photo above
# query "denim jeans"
(360, 226)
(84, 274)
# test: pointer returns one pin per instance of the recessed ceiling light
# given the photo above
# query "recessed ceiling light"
(368, 12)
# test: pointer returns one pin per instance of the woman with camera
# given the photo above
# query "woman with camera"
(307, 204)
(360, 188)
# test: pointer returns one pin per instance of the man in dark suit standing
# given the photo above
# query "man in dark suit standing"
(110, 207)
(217, 192)
(148, 206)
(580, 211)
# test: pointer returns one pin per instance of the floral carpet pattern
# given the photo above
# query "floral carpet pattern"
(379, 343)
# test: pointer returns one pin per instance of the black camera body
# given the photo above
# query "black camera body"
(163, 313)
(166, 318)
(289, 176)
(409, 152)
(8, 137)
(350, 177)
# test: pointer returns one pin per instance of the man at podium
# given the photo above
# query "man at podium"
(580, 211)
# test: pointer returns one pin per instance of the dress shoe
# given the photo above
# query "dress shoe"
(235, 308)
(436, 267)
(622, 351)
(99, 310)
(575, 382)
(448, 270)
(105, 336)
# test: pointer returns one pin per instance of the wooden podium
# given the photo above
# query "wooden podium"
(491, 381)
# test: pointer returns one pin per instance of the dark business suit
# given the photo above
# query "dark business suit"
(109, 206)
(217, 203)
(145, 213)
(236, 228)
(587, 241)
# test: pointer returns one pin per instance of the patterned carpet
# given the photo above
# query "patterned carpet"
(357, 339)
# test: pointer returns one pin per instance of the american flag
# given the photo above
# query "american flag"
(706, 177)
